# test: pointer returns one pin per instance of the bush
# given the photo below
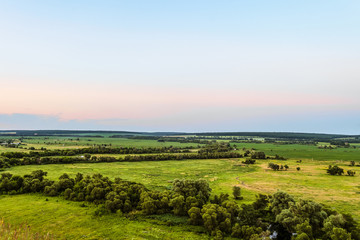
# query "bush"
(335, 170)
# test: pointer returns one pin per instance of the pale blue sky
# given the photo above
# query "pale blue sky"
(180, 65)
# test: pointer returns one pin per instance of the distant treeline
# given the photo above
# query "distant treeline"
(278, 141)
(95, 150)
(9, 162)
(277, 216)
(166, 139)
(282, 135)
(290, 141)
(59, 132)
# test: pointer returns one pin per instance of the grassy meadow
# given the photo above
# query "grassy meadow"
(70, 220)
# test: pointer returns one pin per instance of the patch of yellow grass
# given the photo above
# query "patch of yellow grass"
(22, 232)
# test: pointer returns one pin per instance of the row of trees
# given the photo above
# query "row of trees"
(270, 216)
(277, 167)
(216, 147)
(95, 150)
(262, 155)
(8, 162)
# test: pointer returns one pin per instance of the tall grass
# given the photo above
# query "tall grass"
(22, 232)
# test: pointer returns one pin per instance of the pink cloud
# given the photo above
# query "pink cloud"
(99, 101)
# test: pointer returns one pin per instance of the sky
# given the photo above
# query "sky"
(188, 66)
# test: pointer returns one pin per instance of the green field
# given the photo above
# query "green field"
(68, 220)
(305, 151)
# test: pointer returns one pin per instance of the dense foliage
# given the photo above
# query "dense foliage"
(94, 150)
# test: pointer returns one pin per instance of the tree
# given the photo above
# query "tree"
(304, 231)
(194, 188)
(340, 234)
(298, 168)
(216, 218)
(301, 212)
(178, 205)
(245, 232)
(280, 201)
(237, 192)
(261, 202)
(195, 216)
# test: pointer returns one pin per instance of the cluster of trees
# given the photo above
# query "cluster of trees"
(326, 147)
(249, 161)
(340, 143)
(336, 170)
(262, 155)
(216, 147)
(268, 217)
(277, 157)
(277, 167)
(87, 158)
(258, 155)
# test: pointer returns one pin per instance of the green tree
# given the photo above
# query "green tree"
(245, 232)
(195, 216)
(178, 205)
(340, 234)
(280, 201)
(216, 218)
(237, 192)
(304, 231)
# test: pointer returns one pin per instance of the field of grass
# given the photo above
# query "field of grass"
(311, 182)
(51, 143)
(305, 151)
(68, 220)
